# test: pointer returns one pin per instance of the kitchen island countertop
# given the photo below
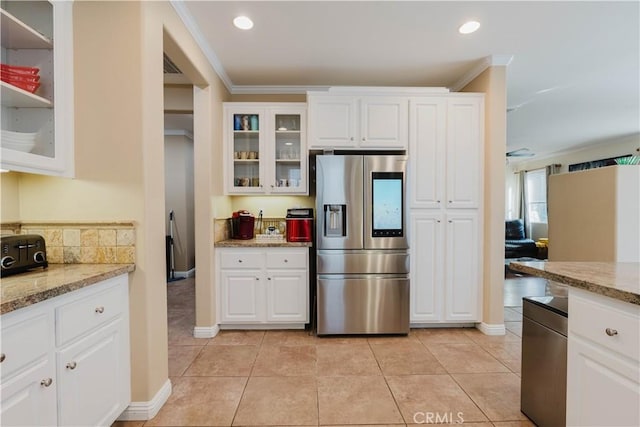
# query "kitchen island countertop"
(38, 285)
(258, 243)
(618, 280)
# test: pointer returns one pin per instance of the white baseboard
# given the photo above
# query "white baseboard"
(434, 325)
(262, 326)
(185, 274)
(489, 329)
(139, 411)
(206, 331)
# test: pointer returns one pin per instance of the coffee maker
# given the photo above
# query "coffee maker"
(242, 223)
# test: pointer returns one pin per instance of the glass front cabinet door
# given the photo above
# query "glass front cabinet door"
(265, 148)
(37, 87)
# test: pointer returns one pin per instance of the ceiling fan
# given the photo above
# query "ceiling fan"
(521, 152)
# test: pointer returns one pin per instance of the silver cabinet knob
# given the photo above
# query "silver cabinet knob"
(286, 260)
(351, 138)
(257, 278)
(611, 332)
(2, 357)
(268, 278)
(450, 201)
(364, 139)
(72, 365)
(100, 310)
(437, 201)
(240, 261)
(46, 382)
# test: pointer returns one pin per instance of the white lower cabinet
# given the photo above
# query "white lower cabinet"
(263, 286)
(603, 372)
(66, 360)
(90, 379)
(445, 274)
(242, 294)
(28, 370)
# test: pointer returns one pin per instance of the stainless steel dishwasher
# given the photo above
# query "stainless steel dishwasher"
(543, 392)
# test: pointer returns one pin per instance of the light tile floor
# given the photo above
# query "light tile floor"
(251, 378)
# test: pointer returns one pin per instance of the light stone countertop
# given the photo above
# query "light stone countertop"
(618, 280)
(257, 243)
(24, 289)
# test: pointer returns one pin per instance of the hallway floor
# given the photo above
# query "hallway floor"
(249, 378)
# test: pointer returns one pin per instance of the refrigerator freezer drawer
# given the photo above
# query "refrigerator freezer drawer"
(363, 262)
(363, 304)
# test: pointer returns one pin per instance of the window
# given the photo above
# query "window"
(535, 189)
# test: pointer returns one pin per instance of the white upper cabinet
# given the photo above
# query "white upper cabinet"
(465, 155)
(357, 122)
(427, 145)
(37, 126)
(265, 148)
(446, 152)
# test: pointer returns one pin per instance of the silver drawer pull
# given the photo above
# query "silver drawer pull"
(239, 260)
(2, 357)
(286, 260)
(100, 310)
(611, 332)
(46, 382)
(72, 365)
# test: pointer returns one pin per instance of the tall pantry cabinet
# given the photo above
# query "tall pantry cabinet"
(445, 202)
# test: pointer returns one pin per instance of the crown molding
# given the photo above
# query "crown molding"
(274, 90)
(201, 41)
(486, 62)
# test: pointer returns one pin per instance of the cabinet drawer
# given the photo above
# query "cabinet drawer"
(87, 313)
(605, 321)
(26, 341)
(237, 260)
(278, 259)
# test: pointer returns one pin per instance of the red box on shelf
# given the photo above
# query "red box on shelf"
(29, 87)
(17, 69)
(7, 75)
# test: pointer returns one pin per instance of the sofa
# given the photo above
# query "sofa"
(516, 245)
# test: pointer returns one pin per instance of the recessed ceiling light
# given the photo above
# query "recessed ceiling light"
(469, 27)
(243, 22)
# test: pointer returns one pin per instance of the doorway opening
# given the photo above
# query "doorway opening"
(179, 208)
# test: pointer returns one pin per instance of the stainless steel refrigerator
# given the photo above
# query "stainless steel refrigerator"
(362, 250)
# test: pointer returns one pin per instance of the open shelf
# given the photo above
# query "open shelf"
(13, 96)
(17, 35)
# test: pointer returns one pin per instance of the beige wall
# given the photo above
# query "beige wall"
(494, 84)
(178, 193)
(9, 197)
(178, 99)
(593, 215)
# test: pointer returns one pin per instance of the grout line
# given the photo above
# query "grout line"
(471, 398)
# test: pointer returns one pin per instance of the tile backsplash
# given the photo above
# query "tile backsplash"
(84, 243)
